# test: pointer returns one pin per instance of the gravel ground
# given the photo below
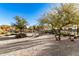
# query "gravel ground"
(39, 46)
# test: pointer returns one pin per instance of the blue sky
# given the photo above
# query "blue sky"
(30, 11)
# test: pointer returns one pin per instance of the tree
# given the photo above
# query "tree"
(36, 29)
(67, 15)
(20, 24)
(60, 17)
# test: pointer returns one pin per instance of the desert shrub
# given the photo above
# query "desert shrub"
(20, 35)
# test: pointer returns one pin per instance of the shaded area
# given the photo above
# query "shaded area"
(51, 47)
(7, 38)
(12, 37)
(61, 48)
(21, 45)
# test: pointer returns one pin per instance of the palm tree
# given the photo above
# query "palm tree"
(20, 24)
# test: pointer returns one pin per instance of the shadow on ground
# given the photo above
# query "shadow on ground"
(61, 48)
(20, 45)
(56, 48)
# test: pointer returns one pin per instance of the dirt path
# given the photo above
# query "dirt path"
(41, 46)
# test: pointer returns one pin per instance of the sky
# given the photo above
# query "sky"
(30, 11)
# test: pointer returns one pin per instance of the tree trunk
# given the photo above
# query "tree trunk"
(71, 37)
(58, 34)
